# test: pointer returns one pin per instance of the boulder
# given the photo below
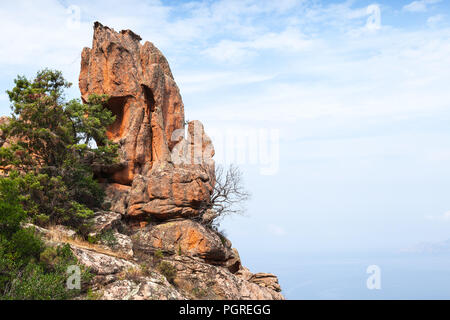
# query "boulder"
(104, 220)
(155, 287)
(266, 280)
(116, 197)
(118, 242)
(39, 231)
(169, 192)
(233, 263)
(185, 237)
(244, 273)
(64, 231)
(99, 263)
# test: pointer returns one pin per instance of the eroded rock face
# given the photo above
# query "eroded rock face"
(121, 274)
(199, 280)
(99, 263)
(183, 237)
(144, 97)
(104, 220)
(116, 197)
(144, 288)
(161, 172)
(169, 191)
(266, 280)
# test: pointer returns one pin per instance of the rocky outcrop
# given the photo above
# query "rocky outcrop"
(144, 97)
(169, 191)
(167, 174)
(143, 288)
(266, 280)
(183, 237)
(199, 280)
(118, 242)
(99, 263)
(151, 238)
(137, 275)
(105, 220)
(116, 197)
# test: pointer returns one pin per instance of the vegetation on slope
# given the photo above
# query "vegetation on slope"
(51, 147)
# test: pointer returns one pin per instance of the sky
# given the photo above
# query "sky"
(343, 106)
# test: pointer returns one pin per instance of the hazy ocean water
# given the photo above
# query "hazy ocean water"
(343, 276)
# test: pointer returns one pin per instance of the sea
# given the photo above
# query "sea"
(359, 276)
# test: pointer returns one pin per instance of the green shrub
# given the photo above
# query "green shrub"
(26, 245)
(92, 239)
(38, 279)
(167, 270)
(158, 255)
(35, 284)
(93, 295)
(199, 292)
(29, 270)
(11, 211)
(145, 269)
(48, 257)
(108, 238)
(48, 199)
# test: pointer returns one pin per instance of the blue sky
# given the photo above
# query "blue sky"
(361, 105)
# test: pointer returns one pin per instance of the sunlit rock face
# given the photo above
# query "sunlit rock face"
(169, 174)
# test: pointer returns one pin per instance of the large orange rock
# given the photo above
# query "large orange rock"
(144, 97)
(170, 191)
(184, 237)
(169, 174)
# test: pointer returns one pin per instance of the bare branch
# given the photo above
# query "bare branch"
(228, 196)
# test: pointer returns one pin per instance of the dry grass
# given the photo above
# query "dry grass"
(133, 274)
(55, 235)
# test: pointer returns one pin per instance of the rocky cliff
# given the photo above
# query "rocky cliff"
(156, 246)
(163, 173)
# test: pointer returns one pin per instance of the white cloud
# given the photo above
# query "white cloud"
(439, 156)
(276, 230)
(419, 5)
(393, 73)
(190, 82)
(46, 40)
(435, 20)
(289, 40)
(36, 35)
(339, 16)
(229, 51)
(444, 217)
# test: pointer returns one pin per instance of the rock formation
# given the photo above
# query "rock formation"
(157, 193)
(163, 173)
